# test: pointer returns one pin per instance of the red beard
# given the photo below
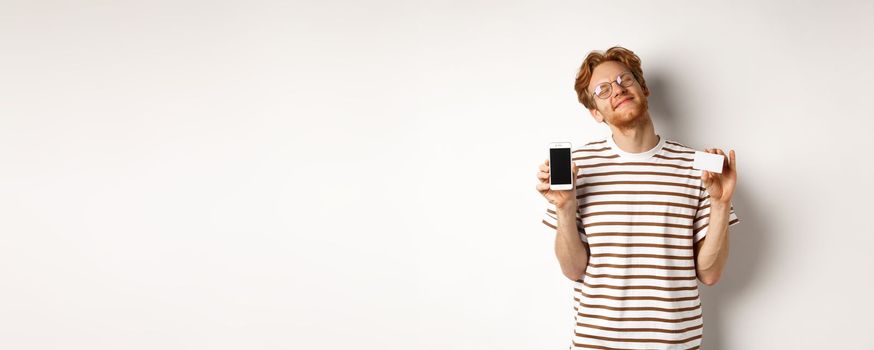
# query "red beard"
(629, 115)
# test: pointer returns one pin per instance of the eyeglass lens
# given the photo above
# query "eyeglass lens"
(603, 90)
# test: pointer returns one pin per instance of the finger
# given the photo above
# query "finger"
(541, 175)
(544, 167)
(732, 161)
(542, 187)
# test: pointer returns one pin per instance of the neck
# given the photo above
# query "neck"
(637, 138)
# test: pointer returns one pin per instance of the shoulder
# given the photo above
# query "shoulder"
(593, 146)
(593, 152)
(678, 148)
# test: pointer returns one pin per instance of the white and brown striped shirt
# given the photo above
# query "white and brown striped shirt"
(639, 215)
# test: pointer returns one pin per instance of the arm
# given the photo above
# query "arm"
(572, 254)
(711, 252)
(569, 249)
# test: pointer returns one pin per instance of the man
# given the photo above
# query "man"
(640, 227)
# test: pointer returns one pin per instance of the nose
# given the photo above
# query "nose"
(621, 89)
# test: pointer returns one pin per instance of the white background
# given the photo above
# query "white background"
(339, 175)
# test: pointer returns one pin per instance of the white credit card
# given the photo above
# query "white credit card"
(708, 161)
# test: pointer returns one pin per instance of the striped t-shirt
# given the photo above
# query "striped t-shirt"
(638, 215)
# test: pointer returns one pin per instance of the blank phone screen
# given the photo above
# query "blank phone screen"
(560, 166)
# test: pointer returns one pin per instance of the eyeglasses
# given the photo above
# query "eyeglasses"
(603, 90)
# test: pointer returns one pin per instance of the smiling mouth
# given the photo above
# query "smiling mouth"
(622, 103)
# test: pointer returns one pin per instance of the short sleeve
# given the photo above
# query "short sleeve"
(550, 219)
(702, 217)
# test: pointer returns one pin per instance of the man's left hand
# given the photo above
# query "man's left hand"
(721, 186)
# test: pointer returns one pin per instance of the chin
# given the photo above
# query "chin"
(628, 117)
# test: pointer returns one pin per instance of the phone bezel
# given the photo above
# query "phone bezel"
(561, 187)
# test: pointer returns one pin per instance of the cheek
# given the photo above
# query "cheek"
(643, 100)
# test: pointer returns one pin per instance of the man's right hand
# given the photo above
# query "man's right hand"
(561, 199)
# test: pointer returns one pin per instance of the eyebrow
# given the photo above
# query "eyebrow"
(614, 77)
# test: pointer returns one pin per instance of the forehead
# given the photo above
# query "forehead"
(606, 71)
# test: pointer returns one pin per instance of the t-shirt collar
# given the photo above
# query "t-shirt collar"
(635, 156)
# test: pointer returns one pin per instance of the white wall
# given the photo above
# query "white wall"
(333, 175)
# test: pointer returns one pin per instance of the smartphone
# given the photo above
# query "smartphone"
(560, 177)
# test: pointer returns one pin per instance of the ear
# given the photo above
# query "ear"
(597, 115)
